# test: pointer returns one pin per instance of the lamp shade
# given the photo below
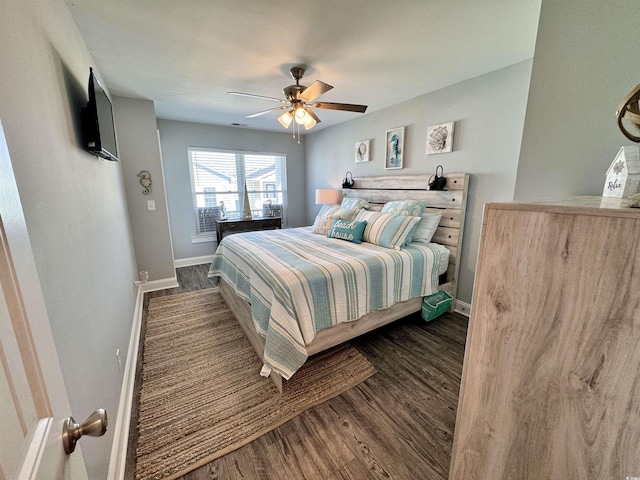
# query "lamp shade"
(309, 123)
(327, 196)
(301, 116)
(285, 119)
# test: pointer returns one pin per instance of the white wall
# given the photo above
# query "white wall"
(489, 115)
(586, 61)
(175, 137)
(139, 150)
(74, 205)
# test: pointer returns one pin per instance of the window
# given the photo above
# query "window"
(218, 178)
(270, 189)
(209, 196)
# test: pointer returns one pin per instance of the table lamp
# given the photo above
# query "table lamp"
(327, 196)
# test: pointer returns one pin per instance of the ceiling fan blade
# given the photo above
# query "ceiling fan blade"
(254, 115)
(312, 115)
(314, 90)
(349, 107)
(273, 99)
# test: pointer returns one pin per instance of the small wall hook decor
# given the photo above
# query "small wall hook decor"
(347, 181)
(145, 181)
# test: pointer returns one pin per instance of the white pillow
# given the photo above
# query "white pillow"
(426, 227)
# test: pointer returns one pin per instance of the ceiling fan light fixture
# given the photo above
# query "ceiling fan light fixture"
(299, 100)
(310, 123)
(300, 114)
(301, 119)
(286, 118)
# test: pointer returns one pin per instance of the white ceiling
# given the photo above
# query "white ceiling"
(186, 54)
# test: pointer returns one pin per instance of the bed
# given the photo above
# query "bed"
(296, 293)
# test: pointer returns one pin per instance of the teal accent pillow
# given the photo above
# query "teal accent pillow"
(350, 231)
(413, 208)
(387, 230)
(354, 202)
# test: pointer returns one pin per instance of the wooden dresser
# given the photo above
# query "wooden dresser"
(240, 225)
(551, 378)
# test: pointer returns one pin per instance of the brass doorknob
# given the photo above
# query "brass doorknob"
(94, 426)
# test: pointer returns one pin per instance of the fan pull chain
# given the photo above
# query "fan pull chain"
(296, 136)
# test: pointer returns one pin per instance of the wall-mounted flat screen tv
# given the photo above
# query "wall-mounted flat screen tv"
(100, 135)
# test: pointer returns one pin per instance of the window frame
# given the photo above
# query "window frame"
(240, 171)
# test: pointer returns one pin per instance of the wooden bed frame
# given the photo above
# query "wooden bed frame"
(379, 190)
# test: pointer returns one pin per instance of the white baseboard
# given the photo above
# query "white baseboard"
(161, 284)
(118, 460)
(187, 262)
(463, 308)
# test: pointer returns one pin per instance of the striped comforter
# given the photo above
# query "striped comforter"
(299, 283)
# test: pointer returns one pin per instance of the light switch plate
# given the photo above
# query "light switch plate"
(151, 204)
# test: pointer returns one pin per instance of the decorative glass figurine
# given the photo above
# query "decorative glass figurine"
(246, 210)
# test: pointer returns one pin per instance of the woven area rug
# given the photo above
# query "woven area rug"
(202, 396)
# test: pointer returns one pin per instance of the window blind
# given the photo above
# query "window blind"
(218, 179)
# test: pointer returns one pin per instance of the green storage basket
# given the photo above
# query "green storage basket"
(435, 305)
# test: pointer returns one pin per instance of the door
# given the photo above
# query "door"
(33, 397)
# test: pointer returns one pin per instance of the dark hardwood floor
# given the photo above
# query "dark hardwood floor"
(398, 424)
(189, 279)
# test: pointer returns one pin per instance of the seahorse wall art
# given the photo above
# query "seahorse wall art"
(145, 181)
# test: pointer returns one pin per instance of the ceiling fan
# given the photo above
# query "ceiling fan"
(299, 100)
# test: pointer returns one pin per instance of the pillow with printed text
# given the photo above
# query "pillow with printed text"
(350, 231)
(328, 213)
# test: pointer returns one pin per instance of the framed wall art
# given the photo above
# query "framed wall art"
(440, 138)
(394, 148)
(362, 151)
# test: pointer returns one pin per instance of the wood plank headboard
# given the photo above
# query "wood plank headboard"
(452, 202)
